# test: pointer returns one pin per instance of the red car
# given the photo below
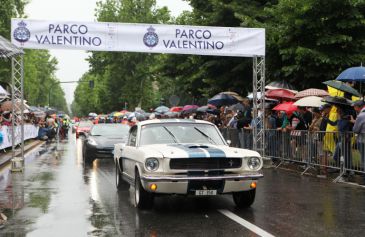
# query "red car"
(82, 128)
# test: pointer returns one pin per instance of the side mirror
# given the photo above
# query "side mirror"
(229, 142)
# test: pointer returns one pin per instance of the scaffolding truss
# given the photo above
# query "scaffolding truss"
(17, 98)
(258, 104)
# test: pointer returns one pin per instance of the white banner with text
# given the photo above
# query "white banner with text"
(30, 131)
(147, 38)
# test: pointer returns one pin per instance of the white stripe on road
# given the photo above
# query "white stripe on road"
(245, 223)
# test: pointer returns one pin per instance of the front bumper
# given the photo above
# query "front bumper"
(183, 184)
(100, 153)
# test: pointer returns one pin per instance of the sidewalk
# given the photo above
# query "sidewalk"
(6, 156)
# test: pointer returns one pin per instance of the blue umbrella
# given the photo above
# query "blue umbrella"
(352, 74)
(222, 99)
(162, 109)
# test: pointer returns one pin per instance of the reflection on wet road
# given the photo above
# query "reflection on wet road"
(58, 196)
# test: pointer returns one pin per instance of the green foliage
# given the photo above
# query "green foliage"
(39, 66)
(312, 41)
(307, 42)
(121, 77)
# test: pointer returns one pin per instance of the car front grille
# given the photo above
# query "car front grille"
(205, 163)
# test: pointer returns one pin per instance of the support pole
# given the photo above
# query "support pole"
(17, 98)
(258, 84)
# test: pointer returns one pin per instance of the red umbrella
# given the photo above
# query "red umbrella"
(280, 94)
(176, 109)
(190, 107)
(288, 107)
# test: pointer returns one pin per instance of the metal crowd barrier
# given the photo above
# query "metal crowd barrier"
(319, 150)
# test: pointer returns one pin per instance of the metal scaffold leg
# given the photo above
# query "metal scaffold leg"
(17, 97)
(258, 104)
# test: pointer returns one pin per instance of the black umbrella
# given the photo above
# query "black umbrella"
(222, 99)
(342, 87)
(336, 100)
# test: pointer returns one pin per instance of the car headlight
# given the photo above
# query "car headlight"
(152, 164)
(253, 163)
(92, 142)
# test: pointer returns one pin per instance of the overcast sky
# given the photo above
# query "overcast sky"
(71, 63)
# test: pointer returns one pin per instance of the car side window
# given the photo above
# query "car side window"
(132, 137)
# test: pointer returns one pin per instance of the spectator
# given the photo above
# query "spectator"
(359, 129)
(343, 145)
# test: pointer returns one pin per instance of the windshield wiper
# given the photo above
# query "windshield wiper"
(172, 135)
(205, 135)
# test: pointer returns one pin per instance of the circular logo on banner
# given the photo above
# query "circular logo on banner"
(21, 34)
(150, 39)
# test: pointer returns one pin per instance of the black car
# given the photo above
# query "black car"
(99, 143)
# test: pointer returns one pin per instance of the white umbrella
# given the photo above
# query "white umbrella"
(310, 101)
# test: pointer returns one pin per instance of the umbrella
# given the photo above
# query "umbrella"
(118, 114)
(171, 114)
(137, 115)
(188, 109)
(342, 87)
(280, 94)
(124, 111)
(141, 111)
(311, 92)
(6, 106)
(93, 115)
(280, 84)
(336, 100)
(176, 109)
(288, 107)
(162, 109)
(222, 99)
(352, 74)
(208, 109)
(234, 94)
(310, 101)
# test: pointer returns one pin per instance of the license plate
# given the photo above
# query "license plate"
(205, 192)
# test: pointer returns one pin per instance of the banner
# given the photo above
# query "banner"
(147, 38)
(30, 131)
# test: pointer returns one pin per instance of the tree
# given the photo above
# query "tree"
(312, 41)
(123, 77)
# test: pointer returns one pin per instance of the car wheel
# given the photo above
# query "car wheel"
(119, 180)
(88, 160)
(142, 198)
(245, 198)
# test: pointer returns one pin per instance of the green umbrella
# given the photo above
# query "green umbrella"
(342, 87)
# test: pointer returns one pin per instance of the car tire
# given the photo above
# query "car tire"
(88, 160)
(119, 182)
(245, 198)
(142, 198)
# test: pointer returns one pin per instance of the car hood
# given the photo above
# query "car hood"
(197, 150)
(108, 142)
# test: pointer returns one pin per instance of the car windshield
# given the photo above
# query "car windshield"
(110, 130)
(84, 124)
(180, 133)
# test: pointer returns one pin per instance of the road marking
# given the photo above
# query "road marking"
(245, 223)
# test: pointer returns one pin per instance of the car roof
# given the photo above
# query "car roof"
(157, 121)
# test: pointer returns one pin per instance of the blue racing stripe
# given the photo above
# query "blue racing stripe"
(192, 152)
(215, 152)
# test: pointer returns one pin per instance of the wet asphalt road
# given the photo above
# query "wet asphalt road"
(57, 196)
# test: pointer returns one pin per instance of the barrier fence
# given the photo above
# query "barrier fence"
(320, 150)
